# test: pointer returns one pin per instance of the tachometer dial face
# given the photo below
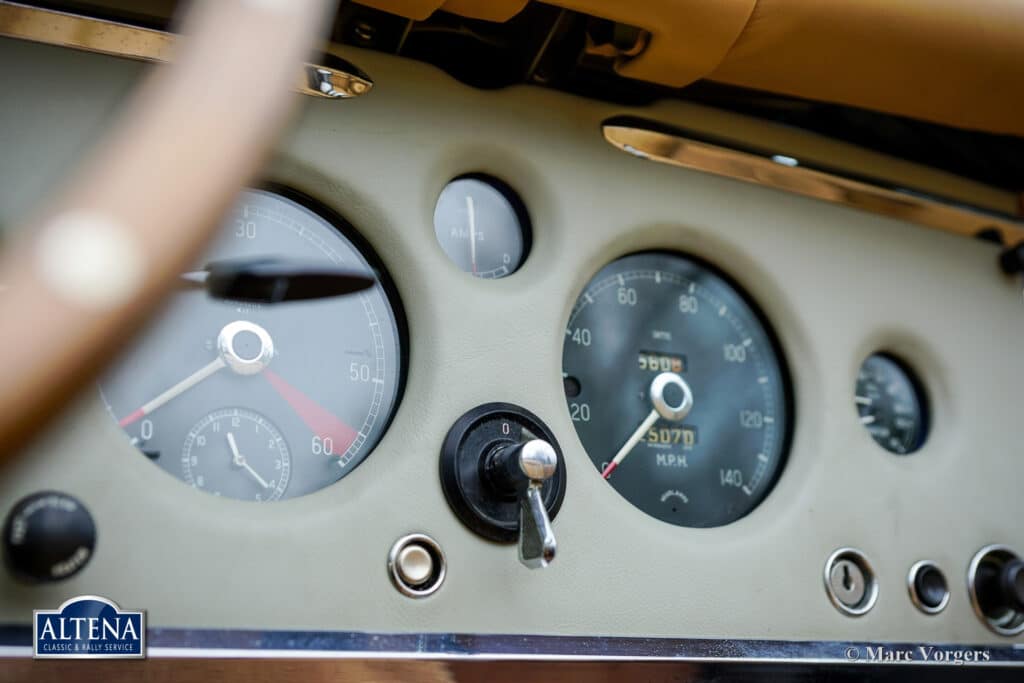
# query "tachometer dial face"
(482, 226)
(891, 404)
(305, 388)
(676, 389)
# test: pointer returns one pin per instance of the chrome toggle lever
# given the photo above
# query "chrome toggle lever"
(522, 469)
(504, 477)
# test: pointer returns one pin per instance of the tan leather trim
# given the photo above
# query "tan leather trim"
(412, 9)
(690, 37)
(492, 10)
(948, 61)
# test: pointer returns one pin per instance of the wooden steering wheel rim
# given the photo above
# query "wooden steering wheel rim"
(92, 266)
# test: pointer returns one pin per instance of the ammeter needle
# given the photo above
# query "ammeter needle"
(472, 232)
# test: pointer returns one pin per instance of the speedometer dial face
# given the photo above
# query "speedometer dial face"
(676, 389)
(265, 401)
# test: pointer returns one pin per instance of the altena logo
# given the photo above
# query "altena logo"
(89, 627)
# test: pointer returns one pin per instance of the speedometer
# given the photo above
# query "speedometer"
(677, 389)
(257, 401)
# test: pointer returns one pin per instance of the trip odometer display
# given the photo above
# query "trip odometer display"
(676, 389)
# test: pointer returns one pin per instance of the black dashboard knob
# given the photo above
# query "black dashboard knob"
(930, 587)
(1011, 580)
(504, 476)
(999, 585)
(48, 536)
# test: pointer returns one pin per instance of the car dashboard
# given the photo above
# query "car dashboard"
(750, 424)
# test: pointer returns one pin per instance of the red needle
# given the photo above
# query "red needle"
(320, 422)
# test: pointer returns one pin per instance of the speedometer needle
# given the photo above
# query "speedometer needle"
(239, 460)
(661, 408)
(631, 442)
(179, 388)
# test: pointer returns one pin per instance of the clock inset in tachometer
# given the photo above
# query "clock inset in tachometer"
(265, 401)
(676, 389)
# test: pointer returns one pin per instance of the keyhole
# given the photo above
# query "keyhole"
(847, 580)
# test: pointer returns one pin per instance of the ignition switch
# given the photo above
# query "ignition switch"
(504, 476)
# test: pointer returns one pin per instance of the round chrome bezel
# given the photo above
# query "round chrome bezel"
(972, 572)
(437, 578)
(915, 569)
(871, 583)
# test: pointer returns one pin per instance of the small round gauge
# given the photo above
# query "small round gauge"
(482, 226)
(891, 404)
(237, 453)
(305, 389)
(677, 389)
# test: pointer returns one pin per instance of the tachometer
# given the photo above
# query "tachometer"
(262, 402)
(676, 389)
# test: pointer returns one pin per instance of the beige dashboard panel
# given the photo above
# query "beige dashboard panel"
(836, 285)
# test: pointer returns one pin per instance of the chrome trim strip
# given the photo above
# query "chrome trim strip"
(220, 644)
(78, 32)
(686, 149)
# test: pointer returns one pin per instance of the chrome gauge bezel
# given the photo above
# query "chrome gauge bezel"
(359, 245)
(778, 350)
(921, 394)
(519, 209)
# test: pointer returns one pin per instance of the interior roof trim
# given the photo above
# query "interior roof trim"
(777, 170)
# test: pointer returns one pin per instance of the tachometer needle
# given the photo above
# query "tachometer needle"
(661, 408)
(472, 231)
(179, 388)
(320, 421)
(238, 459)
